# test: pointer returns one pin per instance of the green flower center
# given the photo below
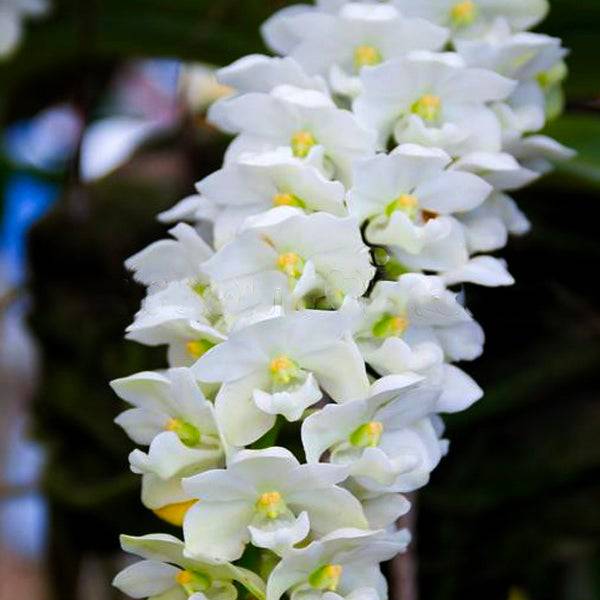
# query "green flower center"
(189, 434)
(367, 435)
(390, 326)
(553, 76)
(198, 348)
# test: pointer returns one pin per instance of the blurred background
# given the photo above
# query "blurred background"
(101, 128)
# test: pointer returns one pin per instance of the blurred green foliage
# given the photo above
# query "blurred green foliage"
(516, 503)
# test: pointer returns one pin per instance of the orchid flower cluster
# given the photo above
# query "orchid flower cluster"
(312, 333)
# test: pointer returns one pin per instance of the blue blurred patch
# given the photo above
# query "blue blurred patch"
(26, 200)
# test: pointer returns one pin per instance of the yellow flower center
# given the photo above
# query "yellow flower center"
(174, 513)
(390, 326)
(192, 581)
(291, 264)
(463, 13)
(428, 107)
(271, 504)
(302, 142)
(287, 200)
(184, 577)
(283, 370)
(367, 435)
(366, 56)
(406, 203)
(326, 578)
(198, 348)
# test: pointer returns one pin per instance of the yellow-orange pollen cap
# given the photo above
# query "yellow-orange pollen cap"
(406, 203)
(366, 56)
(302, 142)
(184, 577)
(291, 264)
(286, 199)
(271, 504)
(326, 578)
(463, 13)
(283, 369)
(428, 107)
(192, 582)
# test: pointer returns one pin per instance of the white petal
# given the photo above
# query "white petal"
(240, 419)
(482, 270)
(283, 537)
(382, 511)
(142, 425)
(340, 371)
(290, 404)
(146, 578)
(453, 191)
(459, 391)
(218, 530)
(329, 509)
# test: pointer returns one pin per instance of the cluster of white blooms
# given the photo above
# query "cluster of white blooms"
(312, 334)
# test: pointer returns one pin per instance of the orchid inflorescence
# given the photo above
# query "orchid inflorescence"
(311, 344)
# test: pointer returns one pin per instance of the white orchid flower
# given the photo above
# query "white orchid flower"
(172, 417)
(306, 121)
(268, 497)
(342, 565)
(433, 100)
(338, 46)
(500, 169)
(408, 196)
(184, 316)
(164, 497)
(277, 33)
(278, 366)
(538, 152)
(406, 326)
(171, 260)
(488, 226)
(257, 183)
(299, 261)
(387, 441)
(166, 573)
(449, 257)
(521, 56)
(260, 73)
(474, 18)
(381, 509)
